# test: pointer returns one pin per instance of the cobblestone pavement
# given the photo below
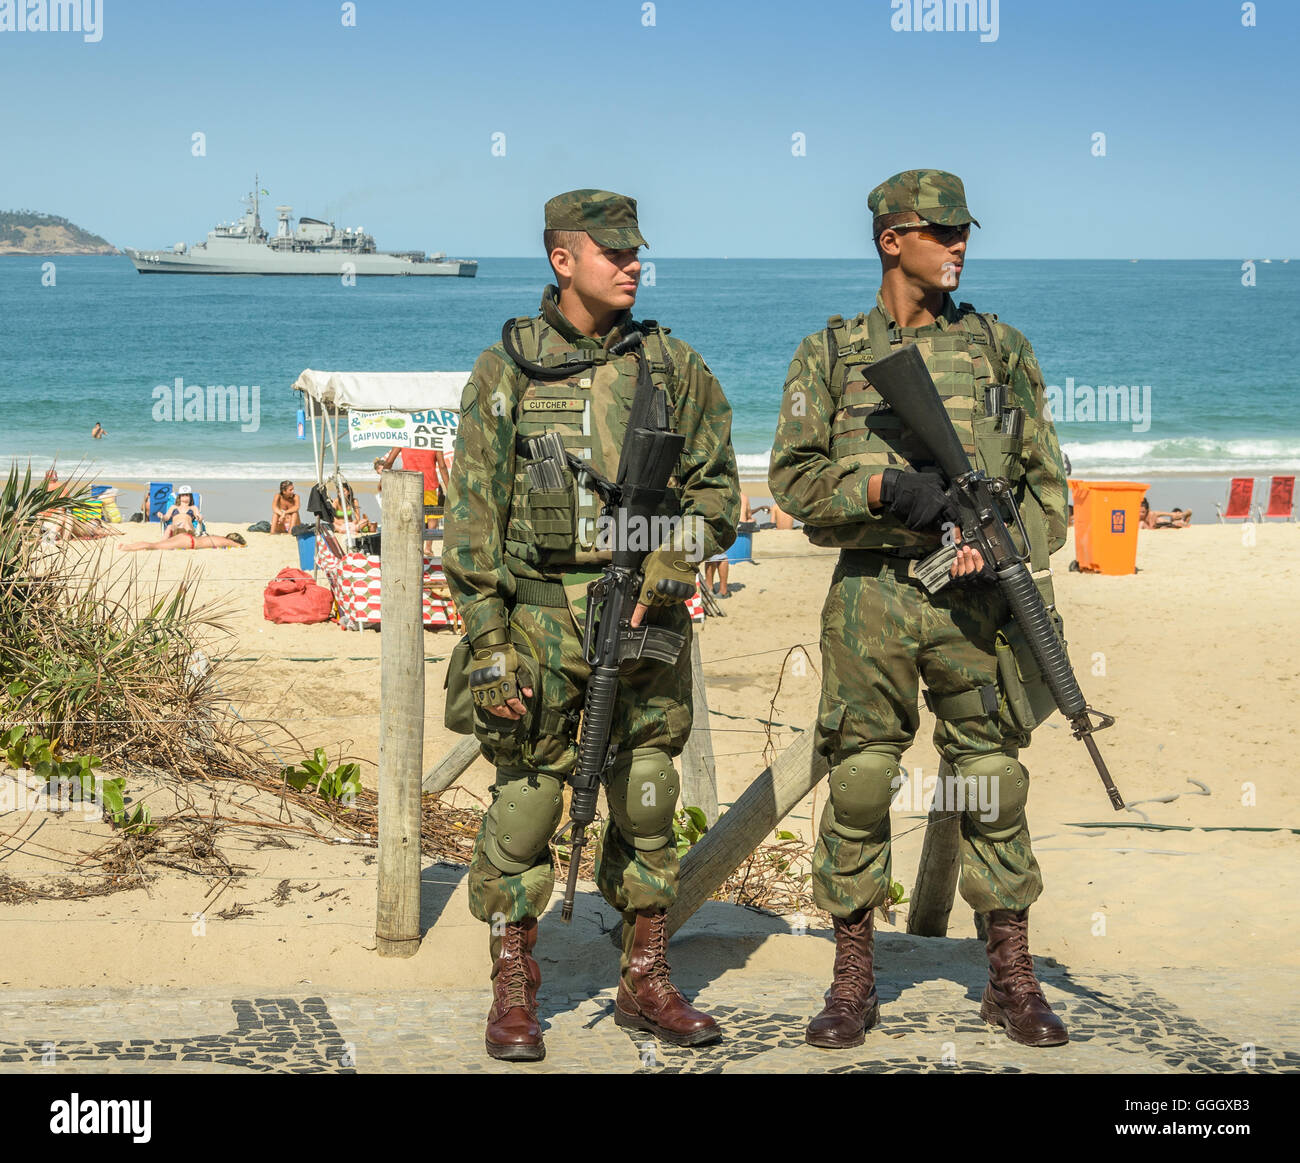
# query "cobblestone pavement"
(1117, 1022)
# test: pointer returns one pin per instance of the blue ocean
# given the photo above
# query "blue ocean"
(1154, 368)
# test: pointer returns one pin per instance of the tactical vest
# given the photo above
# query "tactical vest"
(964, 361)
(555, 531)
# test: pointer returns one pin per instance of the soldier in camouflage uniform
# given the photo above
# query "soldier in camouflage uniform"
(518, 559)
(843, 464)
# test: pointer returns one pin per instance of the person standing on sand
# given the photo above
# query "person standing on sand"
(843, 464)
(518, 563)
(431, 465)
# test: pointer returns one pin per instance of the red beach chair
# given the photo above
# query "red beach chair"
(1240, 492)
(1281, 499)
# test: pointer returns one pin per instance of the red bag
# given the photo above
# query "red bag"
(293, 597)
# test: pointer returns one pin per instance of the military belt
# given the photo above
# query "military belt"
(532, 592)
(906, 553)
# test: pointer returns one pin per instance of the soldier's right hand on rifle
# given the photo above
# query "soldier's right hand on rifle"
(494, 681)
(667, 578)
(918, 499)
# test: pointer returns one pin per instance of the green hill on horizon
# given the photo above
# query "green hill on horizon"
(29, 232)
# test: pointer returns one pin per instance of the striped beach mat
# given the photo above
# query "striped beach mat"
(354, 580)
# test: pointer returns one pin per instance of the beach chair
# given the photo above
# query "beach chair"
(160, 499)
(1240, 492)
(1281, 500)
(155, 513)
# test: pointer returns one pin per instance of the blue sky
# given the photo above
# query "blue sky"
(389, 124)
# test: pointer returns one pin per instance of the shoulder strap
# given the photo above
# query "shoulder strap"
(656, 351)
(837, 342)
(877, 335)
(985, 334)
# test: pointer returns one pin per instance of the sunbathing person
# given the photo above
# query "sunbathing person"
(187, 541)
(355, 521)
(56, 523)
(284, 509)
(1153, 519)
(183, 516)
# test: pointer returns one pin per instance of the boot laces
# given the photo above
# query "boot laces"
(851, 969)
(657, 947)
(1020, 977)
(513, 974)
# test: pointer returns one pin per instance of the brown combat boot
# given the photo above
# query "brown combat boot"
(1013, 998)
(513, 1031)
(651, 1002)
(852, 1006)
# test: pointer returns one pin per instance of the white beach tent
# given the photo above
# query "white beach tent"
(382, 409)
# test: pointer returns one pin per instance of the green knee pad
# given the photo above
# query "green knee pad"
(997, 786)
(862, 787)
(521, 822)
(642, 793)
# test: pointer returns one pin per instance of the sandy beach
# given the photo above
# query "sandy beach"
(233, 499)
(1192, 655)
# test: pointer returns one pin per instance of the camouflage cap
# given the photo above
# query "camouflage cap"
(610, 219)
(936, 195)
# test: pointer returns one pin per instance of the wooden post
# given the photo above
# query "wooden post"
(936, 874)
(699, 773)
(401, 714)
(451, 766)
(727, 845)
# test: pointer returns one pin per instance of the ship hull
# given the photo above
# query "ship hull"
(366, 265)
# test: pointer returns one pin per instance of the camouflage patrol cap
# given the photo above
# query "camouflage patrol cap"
(610, 219)
(936, 195)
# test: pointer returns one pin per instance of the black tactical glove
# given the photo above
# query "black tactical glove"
(495, 677)
(667, 578)
(983, 576)
(916, 498)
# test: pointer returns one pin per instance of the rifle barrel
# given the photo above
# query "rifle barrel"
(1116, 800)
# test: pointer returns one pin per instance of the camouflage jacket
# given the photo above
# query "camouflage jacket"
(483, 550)
(830, 494)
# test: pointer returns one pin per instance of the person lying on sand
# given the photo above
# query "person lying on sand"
(284, 509)
(1153, 519)
(187, 541)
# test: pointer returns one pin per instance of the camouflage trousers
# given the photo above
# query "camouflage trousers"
(881, 634)
(535, 755)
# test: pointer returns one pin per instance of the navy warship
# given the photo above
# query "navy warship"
(314, 247)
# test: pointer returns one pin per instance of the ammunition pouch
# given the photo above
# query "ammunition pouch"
(552, 518)
(1027, 699)
(458, 714)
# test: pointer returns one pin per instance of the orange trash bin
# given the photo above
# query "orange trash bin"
(1106, 521)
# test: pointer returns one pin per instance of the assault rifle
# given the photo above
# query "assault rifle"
(649, 456)
(981, 502)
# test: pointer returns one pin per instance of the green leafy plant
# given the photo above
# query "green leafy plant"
(341, 784)
(39, 755)
(896, 896)
(689, 824)
(73, 779)
(140, 823)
